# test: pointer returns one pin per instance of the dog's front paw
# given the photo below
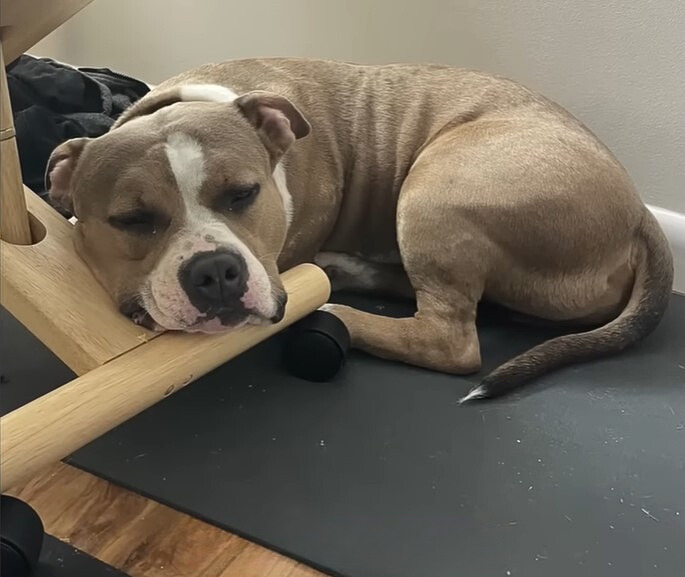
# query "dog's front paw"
(329, 308)
(340, 311)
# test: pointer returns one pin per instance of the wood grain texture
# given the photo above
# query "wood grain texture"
(141, 537)
(14, 218)
(54, 425)
(52, 292)
(26, 22)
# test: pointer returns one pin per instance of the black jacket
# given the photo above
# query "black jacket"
(52, 103)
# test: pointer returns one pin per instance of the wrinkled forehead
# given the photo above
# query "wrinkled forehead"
(176, 148)
(118, 168)
(215, 124)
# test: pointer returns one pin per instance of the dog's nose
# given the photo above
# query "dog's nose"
(216, 279)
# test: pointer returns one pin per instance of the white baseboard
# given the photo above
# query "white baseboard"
(673, 225)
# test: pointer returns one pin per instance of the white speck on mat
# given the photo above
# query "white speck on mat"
(648, 514)
(322, 443)
(568, 519)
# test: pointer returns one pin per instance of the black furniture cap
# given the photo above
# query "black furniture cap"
(316, 347)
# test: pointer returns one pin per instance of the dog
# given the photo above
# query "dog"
(437, 183)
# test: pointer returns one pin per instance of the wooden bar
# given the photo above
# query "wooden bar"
(14, 219)
(52, 292)
(24, 23)
(56, 424)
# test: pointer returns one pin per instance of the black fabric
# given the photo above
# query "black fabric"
(52, 102)
(59, 559)
(381, 473)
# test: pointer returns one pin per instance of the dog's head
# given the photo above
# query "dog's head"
(182, 208)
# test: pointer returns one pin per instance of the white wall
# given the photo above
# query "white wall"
(618, 65)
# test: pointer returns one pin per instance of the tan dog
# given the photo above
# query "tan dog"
(440, 183)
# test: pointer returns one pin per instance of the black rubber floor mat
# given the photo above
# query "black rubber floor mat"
(27, 369)
(59, 559)
(383, 474)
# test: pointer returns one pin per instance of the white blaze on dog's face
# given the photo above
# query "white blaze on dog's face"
(183, 208)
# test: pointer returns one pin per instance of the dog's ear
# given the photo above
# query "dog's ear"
(60, 170)
(277, 120)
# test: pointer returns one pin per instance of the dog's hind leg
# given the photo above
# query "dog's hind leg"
(428, 339)
(445, 259)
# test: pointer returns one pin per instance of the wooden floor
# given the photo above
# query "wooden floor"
(141, 537)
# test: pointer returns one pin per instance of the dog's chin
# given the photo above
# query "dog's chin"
(142, 318)
(211, 326)
(214, 326)
(154, 319)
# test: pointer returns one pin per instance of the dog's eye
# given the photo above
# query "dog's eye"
(238, 197)
(138, 222)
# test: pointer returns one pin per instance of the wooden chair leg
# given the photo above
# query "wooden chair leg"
(14, 218)
(24, 23)
(52, 426)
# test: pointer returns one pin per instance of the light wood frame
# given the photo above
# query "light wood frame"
(122, 368)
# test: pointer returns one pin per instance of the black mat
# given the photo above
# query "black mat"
(27, 369)
(59, 559)
(382, 474)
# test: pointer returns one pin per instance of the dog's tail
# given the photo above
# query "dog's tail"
(645, 308)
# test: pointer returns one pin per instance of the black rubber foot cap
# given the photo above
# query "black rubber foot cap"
(21, 537)
(316, 347)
